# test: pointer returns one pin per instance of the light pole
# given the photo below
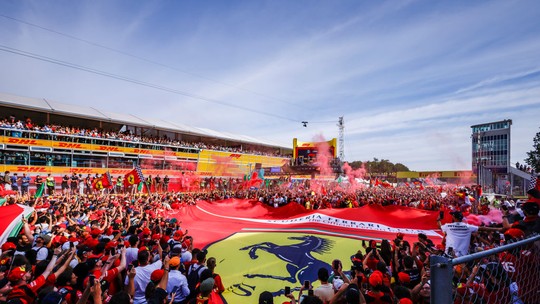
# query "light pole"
(479, 160)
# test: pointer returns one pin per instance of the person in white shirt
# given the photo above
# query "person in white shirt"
(458, 234)
(325, 291)
(133, 250)
(144, 271)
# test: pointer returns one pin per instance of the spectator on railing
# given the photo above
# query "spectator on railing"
(12, 123)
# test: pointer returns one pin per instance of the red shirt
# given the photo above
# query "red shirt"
(19, 292)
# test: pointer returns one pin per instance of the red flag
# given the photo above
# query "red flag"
(386, 184)
(134, 177)
(106, 180)
(96, 184)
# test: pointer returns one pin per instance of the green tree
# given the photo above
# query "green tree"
(377, 166)
(533, 157)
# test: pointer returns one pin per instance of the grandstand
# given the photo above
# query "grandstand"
(41, 136)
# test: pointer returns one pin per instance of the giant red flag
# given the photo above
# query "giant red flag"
(260, 247)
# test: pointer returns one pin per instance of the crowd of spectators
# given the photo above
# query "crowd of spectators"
(16, 124)
(104, 248)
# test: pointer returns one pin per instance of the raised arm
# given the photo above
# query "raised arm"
(52, 263)
(27, 230)
(165, 279)
(69, 256)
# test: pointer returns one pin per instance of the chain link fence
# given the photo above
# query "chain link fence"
(505, 274)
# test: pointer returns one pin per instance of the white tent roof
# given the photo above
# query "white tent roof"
(51, 106)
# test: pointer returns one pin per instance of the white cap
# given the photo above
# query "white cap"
(338, 282)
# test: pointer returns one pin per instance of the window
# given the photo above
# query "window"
(121, 162)
(93, 161)
(14, 158)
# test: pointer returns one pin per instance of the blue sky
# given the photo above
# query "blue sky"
(409, 77)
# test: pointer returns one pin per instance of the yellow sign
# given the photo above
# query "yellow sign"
(92, 147)
(250, 263)
(434, 174)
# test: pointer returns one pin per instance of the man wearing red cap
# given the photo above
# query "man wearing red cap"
(19, 276)
(375, 295)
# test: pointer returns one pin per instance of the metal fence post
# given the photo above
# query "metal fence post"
(441, 280)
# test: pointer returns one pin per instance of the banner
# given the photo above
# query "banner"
(134, 177)
(10, 220)
(40, 191)
(260, 248)
(104, 182)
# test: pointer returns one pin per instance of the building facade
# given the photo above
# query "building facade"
(491, 155)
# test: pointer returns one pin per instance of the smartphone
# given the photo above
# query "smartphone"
(71, 245)
(287, 290)
(441, 214)
(91, 280)
(310, 292)
(130, 266)
(335, 264)
(306, 284)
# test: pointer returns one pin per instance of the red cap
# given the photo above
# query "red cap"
(376, 278)
(95, 256)
(157, 275)
(515, 233)
(73, 239)
(403, 277)
(177, 235)
(16, 274)
(95, 232)
(91, 243)
(156, 236)
(146, 231)
(111, 244)
(400, 235)
(143, 248)
(8, 246)
(405, 301)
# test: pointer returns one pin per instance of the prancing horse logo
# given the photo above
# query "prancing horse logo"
(301, 264)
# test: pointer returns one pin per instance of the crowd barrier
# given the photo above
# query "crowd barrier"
(505, 274)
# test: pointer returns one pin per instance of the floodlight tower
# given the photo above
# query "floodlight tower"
(341, 126)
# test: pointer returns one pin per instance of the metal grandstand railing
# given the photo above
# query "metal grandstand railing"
(505, 274)
(92, 140)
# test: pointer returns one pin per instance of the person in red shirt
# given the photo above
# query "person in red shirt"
(19, 277)
(218, 284)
